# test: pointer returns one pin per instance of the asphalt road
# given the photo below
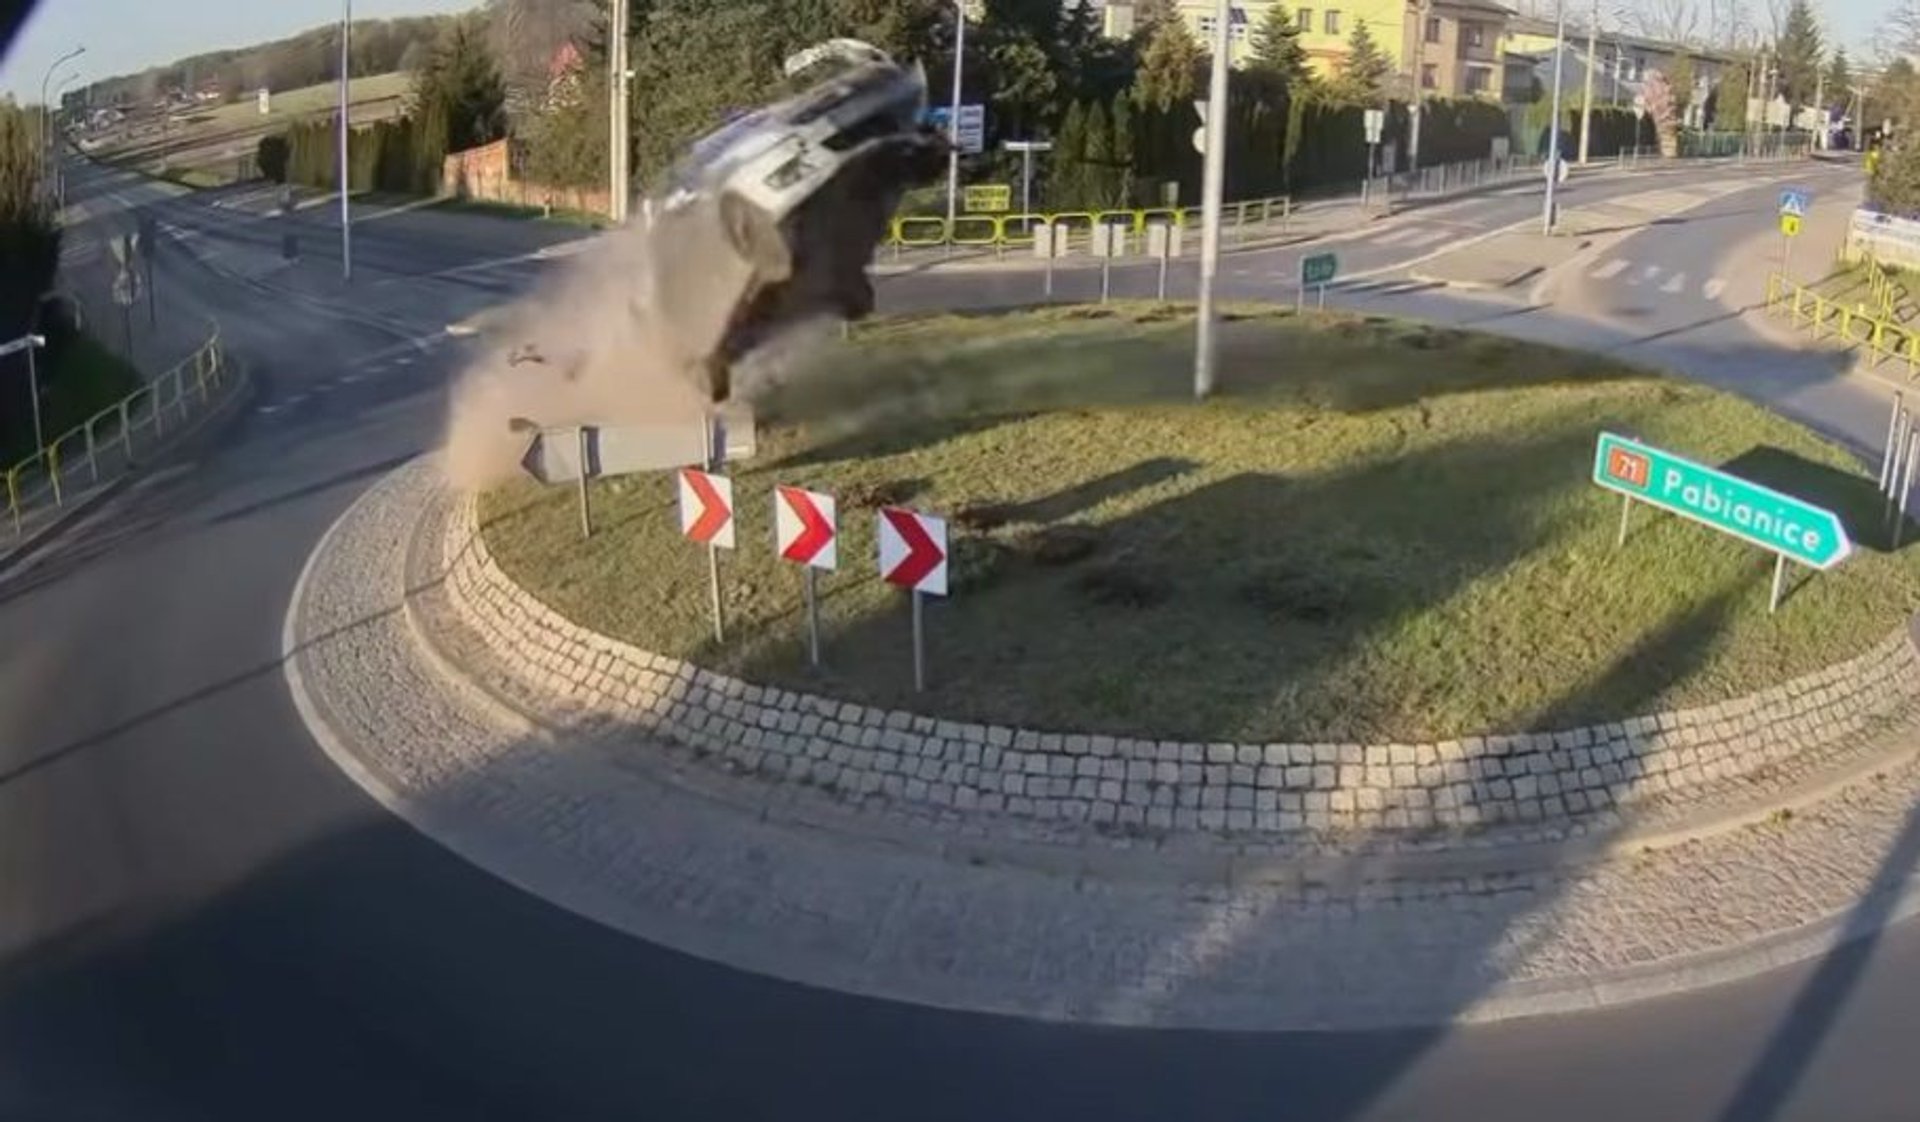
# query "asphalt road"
(201, 918)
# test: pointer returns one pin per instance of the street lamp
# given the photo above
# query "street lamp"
(1212, 188)
(346, 218)
(59, 165)
(1553, 132)
(953, 121)
(1027, 148)
(46, 118)
(30, 343)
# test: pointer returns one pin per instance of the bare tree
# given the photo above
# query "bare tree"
(1898, 35)
(1670, 21)
(526, 34)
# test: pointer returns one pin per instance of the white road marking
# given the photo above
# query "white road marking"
(295, 401)
(1676, 285)
(1713, 288)
(1611, 269)
(267, 410)
(1397, 237)
(349, 379)
(1429, 237)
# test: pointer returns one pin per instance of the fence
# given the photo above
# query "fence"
(1001, 231)
(110, 441)
(1850, 321)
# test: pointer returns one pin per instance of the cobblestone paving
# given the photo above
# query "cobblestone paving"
(653, 848)
(1270, 797)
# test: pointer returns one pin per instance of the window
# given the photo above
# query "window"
(1476, 34)
(1237, 30)
(1204, 26)
(1433, 29)
(1639, 69)
(1479, 79)
(1332, 25)
(1429, 76)
(1303, 19)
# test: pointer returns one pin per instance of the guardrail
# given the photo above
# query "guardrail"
(990, 231)
(1852, 321)
(110, 440)
(1885, 290)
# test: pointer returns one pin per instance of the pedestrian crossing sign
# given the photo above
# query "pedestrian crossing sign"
(1790, 225)
(1793, 201)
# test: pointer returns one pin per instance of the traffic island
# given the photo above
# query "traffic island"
(1289, 879)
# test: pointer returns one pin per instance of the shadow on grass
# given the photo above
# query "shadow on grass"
(1854, 497)
(1066, 503)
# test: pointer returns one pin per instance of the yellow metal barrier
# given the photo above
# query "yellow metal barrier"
(924, 231)
(962, 223)
(207, 365)
(901, 226)
(1857, 324)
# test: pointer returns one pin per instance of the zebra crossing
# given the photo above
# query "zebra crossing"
(1629, 274)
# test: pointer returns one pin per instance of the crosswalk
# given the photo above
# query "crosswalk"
(1656, 278)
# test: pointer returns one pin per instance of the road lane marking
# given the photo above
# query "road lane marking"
(1675, 286)
(1611, 269)
(1713, 288)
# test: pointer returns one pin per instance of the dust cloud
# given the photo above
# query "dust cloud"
(623, 334)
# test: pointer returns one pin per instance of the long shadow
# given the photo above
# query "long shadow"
(1803, 1028)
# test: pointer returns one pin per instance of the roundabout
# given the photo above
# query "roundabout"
(1192, 877)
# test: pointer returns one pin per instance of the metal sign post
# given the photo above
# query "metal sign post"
(1317, 271)
(913, 555)
(1906, 488)
(1027, 148)
(805, 531)
(586, 509)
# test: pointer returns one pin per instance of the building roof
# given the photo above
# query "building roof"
(1492, 7)
(1528, 25)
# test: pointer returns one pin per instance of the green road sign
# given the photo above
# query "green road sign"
(1318, 269)
(1798, 531)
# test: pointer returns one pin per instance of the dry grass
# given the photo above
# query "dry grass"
(1379, 531)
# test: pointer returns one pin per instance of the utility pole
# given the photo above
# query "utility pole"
(1586, 101)
(346, 217)
(953, 121)
(1419, 84)
(1213, 188)
(618, 126)
(1553, 135)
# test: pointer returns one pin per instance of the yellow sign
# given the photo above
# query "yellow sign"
(987, 198)
(1790, 225)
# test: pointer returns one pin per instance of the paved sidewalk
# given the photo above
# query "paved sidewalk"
(671, 849)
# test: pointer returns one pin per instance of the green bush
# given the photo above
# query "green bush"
(271, 156)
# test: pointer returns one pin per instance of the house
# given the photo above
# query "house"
(1620, 65)
(1455, 47)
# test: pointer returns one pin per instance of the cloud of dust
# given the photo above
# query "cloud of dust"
(619, 336)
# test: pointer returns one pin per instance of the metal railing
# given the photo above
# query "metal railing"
(994, 231)
(1850, 321)
(111, 439)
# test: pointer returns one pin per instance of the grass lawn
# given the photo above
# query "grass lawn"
(516, 211)
(1378, 530)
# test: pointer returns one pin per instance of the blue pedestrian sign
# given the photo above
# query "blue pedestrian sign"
(1794, 201)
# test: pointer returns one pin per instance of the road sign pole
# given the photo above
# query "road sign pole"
(586, 509)
(153, 317)
(1893, 433)
(1906, 488)
(1106, 267)
(1166, 255)
(1900, 437)
(1053, 246)
(1779, 577)
(813, 617)
(1626, 508)
(919, 645)
(1323, 297)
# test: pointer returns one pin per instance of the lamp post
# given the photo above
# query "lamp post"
(1027, 148)
(346, 217)
(1553, 132)
(618, 75)
(30, 343)
(1212, 188)
(46, 115)
(1586, 102)
(953, 120)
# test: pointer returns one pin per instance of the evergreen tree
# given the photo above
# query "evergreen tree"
(1730, 99)
(1277, 49)
(1097, 173)
(460, 90)
(1362, 79)
(1839, 79)
(1069, 152)
(1799, 50)
(1125, 150)
(1168, 66)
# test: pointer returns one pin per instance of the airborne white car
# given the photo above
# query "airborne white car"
(800, 192)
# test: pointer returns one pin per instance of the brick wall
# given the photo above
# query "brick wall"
(864, 753)
(486, 173)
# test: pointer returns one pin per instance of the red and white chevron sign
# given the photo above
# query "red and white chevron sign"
(706, 507)
(913, 550)
(804, 527)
